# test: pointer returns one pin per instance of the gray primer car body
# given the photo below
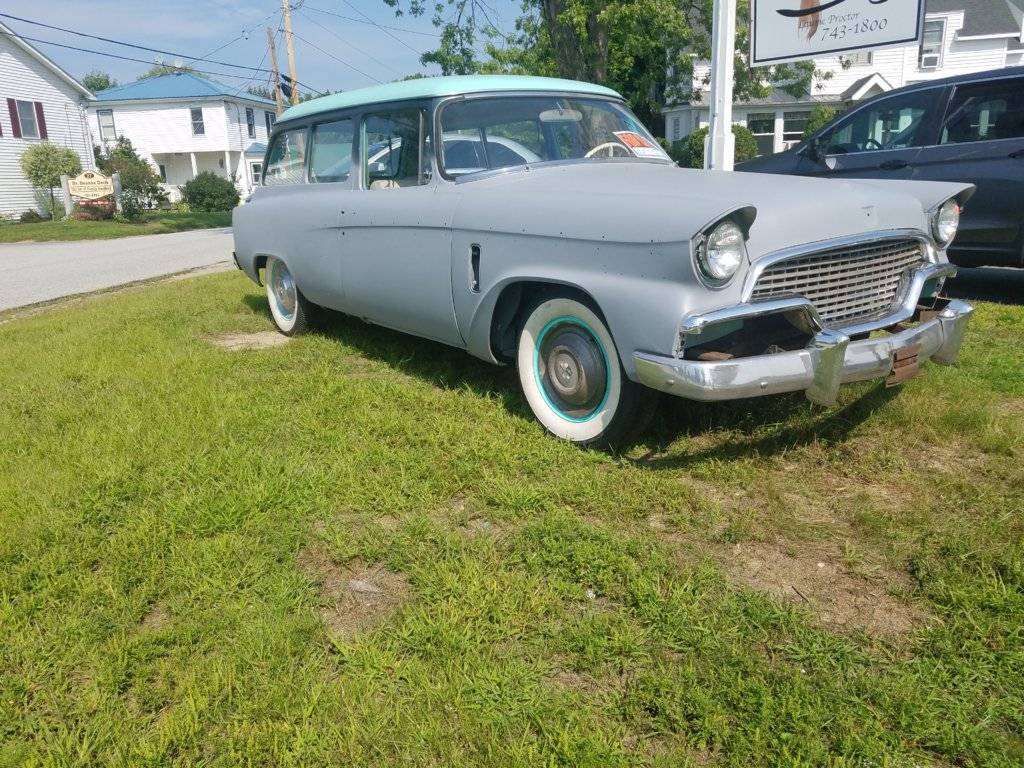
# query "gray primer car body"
(621, 231)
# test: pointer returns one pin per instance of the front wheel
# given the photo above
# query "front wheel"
(291, 311)
(570, 374)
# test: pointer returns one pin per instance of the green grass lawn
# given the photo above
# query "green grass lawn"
(358, 549)
(151, 223)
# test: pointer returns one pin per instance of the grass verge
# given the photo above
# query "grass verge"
(357, 548)
(151, 223)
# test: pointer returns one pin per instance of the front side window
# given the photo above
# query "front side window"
(506, 131)
(985, 112)
(198, 127)
(27, 120)
(106, 121)
(286, 160)
(330, 155)
(894, 123)
(930, 55)
(250, 122)
(394, 149)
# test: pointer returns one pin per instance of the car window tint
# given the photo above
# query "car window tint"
(896, 123)
(286, 160)
(985, 112)
(394, 154)
(330, 155)
(463, 153)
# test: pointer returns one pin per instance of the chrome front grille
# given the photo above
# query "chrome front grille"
(851, 284)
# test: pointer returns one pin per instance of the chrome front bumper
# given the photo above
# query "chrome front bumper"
(831, 359)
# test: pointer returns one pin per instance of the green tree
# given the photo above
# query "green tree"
(140, 184)
(689, 152)
(44, 163)
(164, 69)
(819, 117)
(210, 192)
(97, 81)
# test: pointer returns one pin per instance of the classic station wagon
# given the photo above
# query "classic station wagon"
(536, 222)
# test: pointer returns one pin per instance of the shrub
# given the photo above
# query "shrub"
(44, 163)
(94, 210)
(690, 152)
(30, 217)
(819, 116)
(210, 192)
(140, 184)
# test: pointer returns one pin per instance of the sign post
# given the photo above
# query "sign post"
(720, 145)
(69, 205)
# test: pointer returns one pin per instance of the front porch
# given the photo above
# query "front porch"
(177, 168)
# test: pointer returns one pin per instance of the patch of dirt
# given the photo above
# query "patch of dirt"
(233, 342)
(355, 597)
(840, 598)
(156, 618)
(482, 527)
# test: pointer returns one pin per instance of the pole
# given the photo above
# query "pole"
(69, 205)
(116, 177)
(720, 146)
(276, 72)
(287, 9)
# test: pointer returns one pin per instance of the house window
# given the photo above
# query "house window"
(257, 171)
(858, 59)
(270, 119)
(762, 125)
(106, 121)
(163, 173)
(793, 125)
(930, 56)
(675, 128)
(250, 122)
(27, 120)
(198, 128)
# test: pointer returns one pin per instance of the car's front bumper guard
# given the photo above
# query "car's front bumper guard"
(831, 359)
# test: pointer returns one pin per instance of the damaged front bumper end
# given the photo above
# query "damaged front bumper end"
(830, 359)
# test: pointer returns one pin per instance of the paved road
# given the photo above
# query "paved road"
(36, 272)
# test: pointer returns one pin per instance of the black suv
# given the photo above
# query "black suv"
(967, 128)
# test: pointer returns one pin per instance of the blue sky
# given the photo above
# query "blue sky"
(197, 27)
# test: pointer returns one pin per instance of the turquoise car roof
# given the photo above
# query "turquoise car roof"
(432, 87)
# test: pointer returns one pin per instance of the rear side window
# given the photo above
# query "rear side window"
(985, 112)
(287, 158)
(330, 156)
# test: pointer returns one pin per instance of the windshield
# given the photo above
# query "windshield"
(505, 131)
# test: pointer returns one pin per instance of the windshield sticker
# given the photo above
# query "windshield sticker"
(638, 145)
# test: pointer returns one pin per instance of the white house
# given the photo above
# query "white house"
(960, 37)
(184, 124)
(39, 101)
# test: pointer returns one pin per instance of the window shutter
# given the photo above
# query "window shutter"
(15, 122)
(40, 120)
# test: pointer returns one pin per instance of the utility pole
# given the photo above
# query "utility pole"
(287, 9)
(720, 146)
(276, 72)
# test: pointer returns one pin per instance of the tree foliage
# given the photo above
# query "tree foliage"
(165, 69)
(44, 163)
(140, 184)
(97, 81)
(645, 49)
(689, 152)
(210, 192)
(819, 117)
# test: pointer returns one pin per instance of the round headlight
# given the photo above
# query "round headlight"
(946, 222)
(722, 253)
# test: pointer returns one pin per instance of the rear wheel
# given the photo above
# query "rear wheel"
(291, 311)
(570, 374)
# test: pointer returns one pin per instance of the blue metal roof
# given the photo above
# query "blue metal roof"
(431, 87)
(177, 85)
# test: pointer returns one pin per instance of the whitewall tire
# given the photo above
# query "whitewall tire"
(571, 377)
(289, 308)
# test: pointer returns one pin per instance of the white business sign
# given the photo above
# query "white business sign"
(790, 30)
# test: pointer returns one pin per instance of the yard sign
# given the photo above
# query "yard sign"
(791, 30)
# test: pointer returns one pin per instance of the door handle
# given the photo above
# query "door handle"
(893, 165)
(1018, 154)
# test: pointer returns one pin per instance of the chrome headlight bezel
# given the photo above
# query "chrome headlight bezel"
(941, 217)
(720, 251)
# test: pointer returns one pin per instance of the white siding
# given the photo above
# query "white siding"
(24, 77)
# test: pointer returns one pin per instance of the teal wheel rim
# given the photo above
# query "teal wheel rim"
(567, 375)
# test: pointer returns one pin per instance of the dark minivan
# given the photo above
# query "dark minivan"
(967, 128)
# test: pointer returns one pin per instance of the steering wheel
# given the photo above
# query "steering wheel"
(869, 142)
(609, 149)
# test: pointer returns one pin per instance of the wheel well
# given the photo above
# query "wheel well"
(260, 263)
(515, 298)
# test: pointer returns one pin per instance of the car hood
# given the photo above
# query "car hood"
(628, 201)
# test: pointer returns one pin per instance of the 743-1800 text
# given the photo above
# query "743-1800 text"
(844, 31)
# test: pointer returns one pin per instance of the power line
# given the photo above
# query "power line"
(310, 19)
(382, 29)
(128, 45)
(244, 34)
(371, 22)
(336, 58)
